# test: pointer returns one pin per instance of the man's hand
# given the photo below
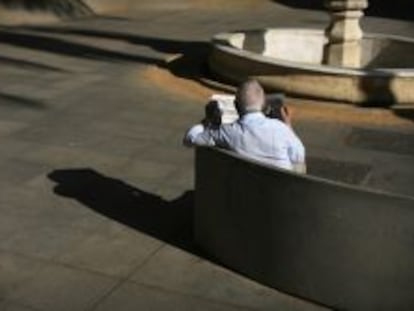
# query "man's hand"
(213, 114)
(205, 122)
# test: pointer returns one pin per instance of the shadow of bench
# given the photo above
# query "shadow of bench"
(339, 245)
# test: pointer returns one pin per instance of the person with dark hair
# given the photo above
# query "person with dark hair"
(270, 140)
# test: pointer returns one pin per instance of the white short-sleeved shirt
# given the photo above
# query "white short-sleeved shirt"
(254, 136)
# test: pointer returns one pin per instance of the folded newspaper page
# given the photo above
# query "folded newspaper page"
(223, 107)
(225, 103)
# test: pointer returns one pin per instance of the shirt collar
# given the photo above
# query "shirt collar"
(251, 116)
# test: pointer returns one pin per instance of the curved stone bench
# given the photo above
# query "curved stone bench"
(339, 245)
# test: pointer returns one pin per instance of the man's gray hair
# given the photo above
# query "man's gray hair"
(250, 97)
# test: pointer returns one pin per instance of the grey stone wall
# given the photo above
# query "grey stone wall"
(341, 246)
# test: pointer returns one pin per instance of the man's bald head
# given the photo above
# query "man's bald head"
(250, 97)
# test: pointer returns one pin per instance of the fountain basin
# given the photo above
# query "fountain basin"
(291, 60)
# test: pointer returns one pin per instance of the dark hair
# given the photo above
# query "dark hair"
(273, 106)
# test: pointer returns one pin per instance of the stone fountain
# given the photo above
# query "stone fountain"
(339, 63)
(344, 46)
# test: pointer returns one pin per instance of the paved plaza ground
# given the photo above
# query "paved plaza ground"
(96, 190)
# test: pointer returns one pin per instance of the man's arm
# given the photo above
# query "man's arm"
(195, 137)
(299, 168)
(297, 154)
(203, 135)
(296, 149)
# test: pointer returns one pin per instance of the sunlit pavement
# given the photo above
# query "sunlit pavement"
(96, 189)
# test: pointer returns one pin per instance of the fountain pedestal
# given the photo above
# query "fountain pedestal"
(339, 63)
(344, 33)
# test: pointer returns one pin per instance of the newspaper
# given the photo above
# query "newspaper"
(225, 103)
(222, 107)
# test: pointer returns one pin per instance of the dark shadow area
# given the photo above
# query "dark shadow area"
(62, 8)
(377, 90)
(392, 142)
(63, 47)
(303, 4)
(112, 17)
(13, 100)
(406, 113)
(397, 9)
(28, 64)
(347, 172)
(190, 63)
(169, 221)
(379, 94)
(387, 52)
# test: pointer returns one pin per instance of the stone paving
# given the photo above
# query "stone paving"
(96, 191)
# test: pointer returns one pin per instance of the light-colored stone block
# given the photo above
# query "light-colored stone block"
(344, 33)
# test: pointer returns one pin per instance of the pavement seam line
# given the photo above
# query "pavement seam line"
(123, 280)
(181, 293)
(58, 263)
(144, 262)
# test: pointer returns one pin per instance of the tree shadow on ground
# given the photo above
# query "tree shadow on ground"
(20, 101)
(62, 8)
(189, 61)
(397, 9)
(20, 63)
(169, 221)
(42, 42)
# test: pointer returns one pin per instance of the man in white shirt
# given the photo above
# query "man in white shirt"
(253, 135)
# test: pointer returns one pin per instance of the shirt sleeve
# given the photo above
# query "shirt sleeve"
(296, 150)
(199, 135)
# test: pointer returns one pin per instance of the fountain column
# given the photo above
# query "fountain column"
(344, 33)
